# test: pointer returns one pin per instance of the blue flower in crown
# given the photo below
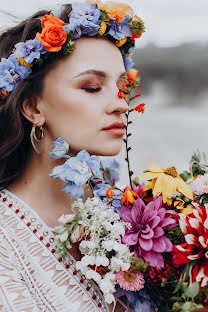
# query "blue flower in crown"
(76, 171)
(128, 63)
(12, 73)
(119, 31)
(84, 20)
(30, 50)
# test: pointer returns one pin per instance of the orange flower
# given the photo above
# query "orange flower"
(132, 75)
(52, 36)
(135, 96)
(140, 108)
(110, 192)
(117, 10)
(121, 95)
(128, 196)
(3, 94)
(135, 36)
(51, 19)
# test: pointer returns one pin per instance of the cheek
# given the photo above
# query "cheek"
(72, 112)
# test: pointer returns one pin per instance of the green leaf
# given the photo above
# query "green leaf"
(192, 290)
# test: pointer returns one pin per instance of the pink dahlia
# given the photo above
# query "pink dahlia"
(146, 236)
(195, 230)
(139, 189)
(130, 281)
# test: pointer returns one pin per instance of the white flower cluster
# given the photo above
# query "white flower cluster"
(102, 245)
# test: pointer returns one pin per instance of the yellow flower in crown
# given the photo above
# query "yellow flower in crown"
(165, 181)
(117, 10)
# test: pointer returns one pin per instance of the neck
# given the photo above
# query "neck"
(41, 192)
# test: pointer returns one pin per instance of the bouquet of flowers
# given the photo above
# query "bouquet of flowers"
(148, 242)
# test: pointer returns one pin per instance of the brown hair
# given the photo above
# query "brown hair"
(14, 128)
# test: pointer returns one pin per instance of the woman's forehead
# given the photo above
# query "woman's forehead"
(94, 54)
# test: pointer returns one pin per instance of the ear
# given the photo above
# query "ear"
(31, 110)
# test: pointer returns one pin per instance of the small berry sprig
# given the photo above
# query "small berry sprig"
(129, 95)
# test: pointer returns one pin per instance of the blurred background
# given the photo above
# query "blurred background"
(172, 56)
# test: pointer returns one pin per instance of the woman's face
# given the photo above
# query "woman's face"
(80, 98)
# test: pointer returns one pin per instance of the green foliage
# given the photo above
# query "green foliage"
(197, 167)
(185, 175)
(175, 235)
(138, 265)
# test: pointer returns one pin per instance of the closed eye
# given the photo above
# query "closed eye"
(91, 90)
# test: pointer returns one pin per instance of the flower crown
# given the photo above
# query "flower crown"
(113, 20)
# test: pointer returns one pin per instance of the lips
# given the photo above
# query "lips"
(116, 128)
(116, 125)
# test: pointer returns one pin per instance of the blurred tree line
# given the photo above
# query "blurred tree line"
(182, 69)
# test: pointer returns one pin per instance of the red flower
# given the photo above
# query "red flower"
(195, 230)
(140, 108)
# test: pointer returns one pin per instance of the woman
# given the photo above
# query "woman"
(70, 96)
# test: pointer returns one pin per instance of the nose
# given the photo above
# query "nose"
(116, 104)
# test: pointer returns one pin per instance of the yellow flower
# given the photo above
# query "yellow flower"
(166, 181)
(102, 29)
(179, 204)
(121, 42)
(23, 62)
(117, 10)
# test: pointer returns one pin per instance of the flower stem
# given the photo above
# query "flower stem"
(126, 140)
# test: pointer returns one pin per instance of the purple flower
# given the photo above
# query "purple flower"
(119, 31)
(12, 73)
(146, 236)
(84, 20)
(29, 50)
(128, 63)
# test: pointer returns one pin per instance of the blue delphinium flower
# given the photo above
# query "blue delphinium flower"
(75, 191)
(77, 169)
(111, 167)
(128, 63)
(12, 73)
(139, 300)
(119, 31)
(99, 190)
(60, 149)
(84, 20)
(30, 50)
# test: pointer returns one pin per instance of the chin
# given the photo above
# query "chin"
(112, 150)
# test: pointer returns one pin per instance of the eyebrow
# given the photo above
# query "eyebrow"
(97, 73)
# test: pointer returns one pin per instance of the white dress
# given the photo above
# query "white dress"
(32, 278)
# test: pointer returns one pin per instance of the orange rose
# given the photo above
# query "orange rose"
(52, 37)
(51, 19)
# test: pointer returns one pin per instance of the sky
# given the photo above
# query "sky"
(168, 22)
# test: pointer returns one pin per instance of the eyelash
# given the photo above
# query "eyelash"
(92, 90)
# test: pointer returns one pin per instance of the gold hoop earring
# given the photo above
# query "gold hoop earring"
(35, 138)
